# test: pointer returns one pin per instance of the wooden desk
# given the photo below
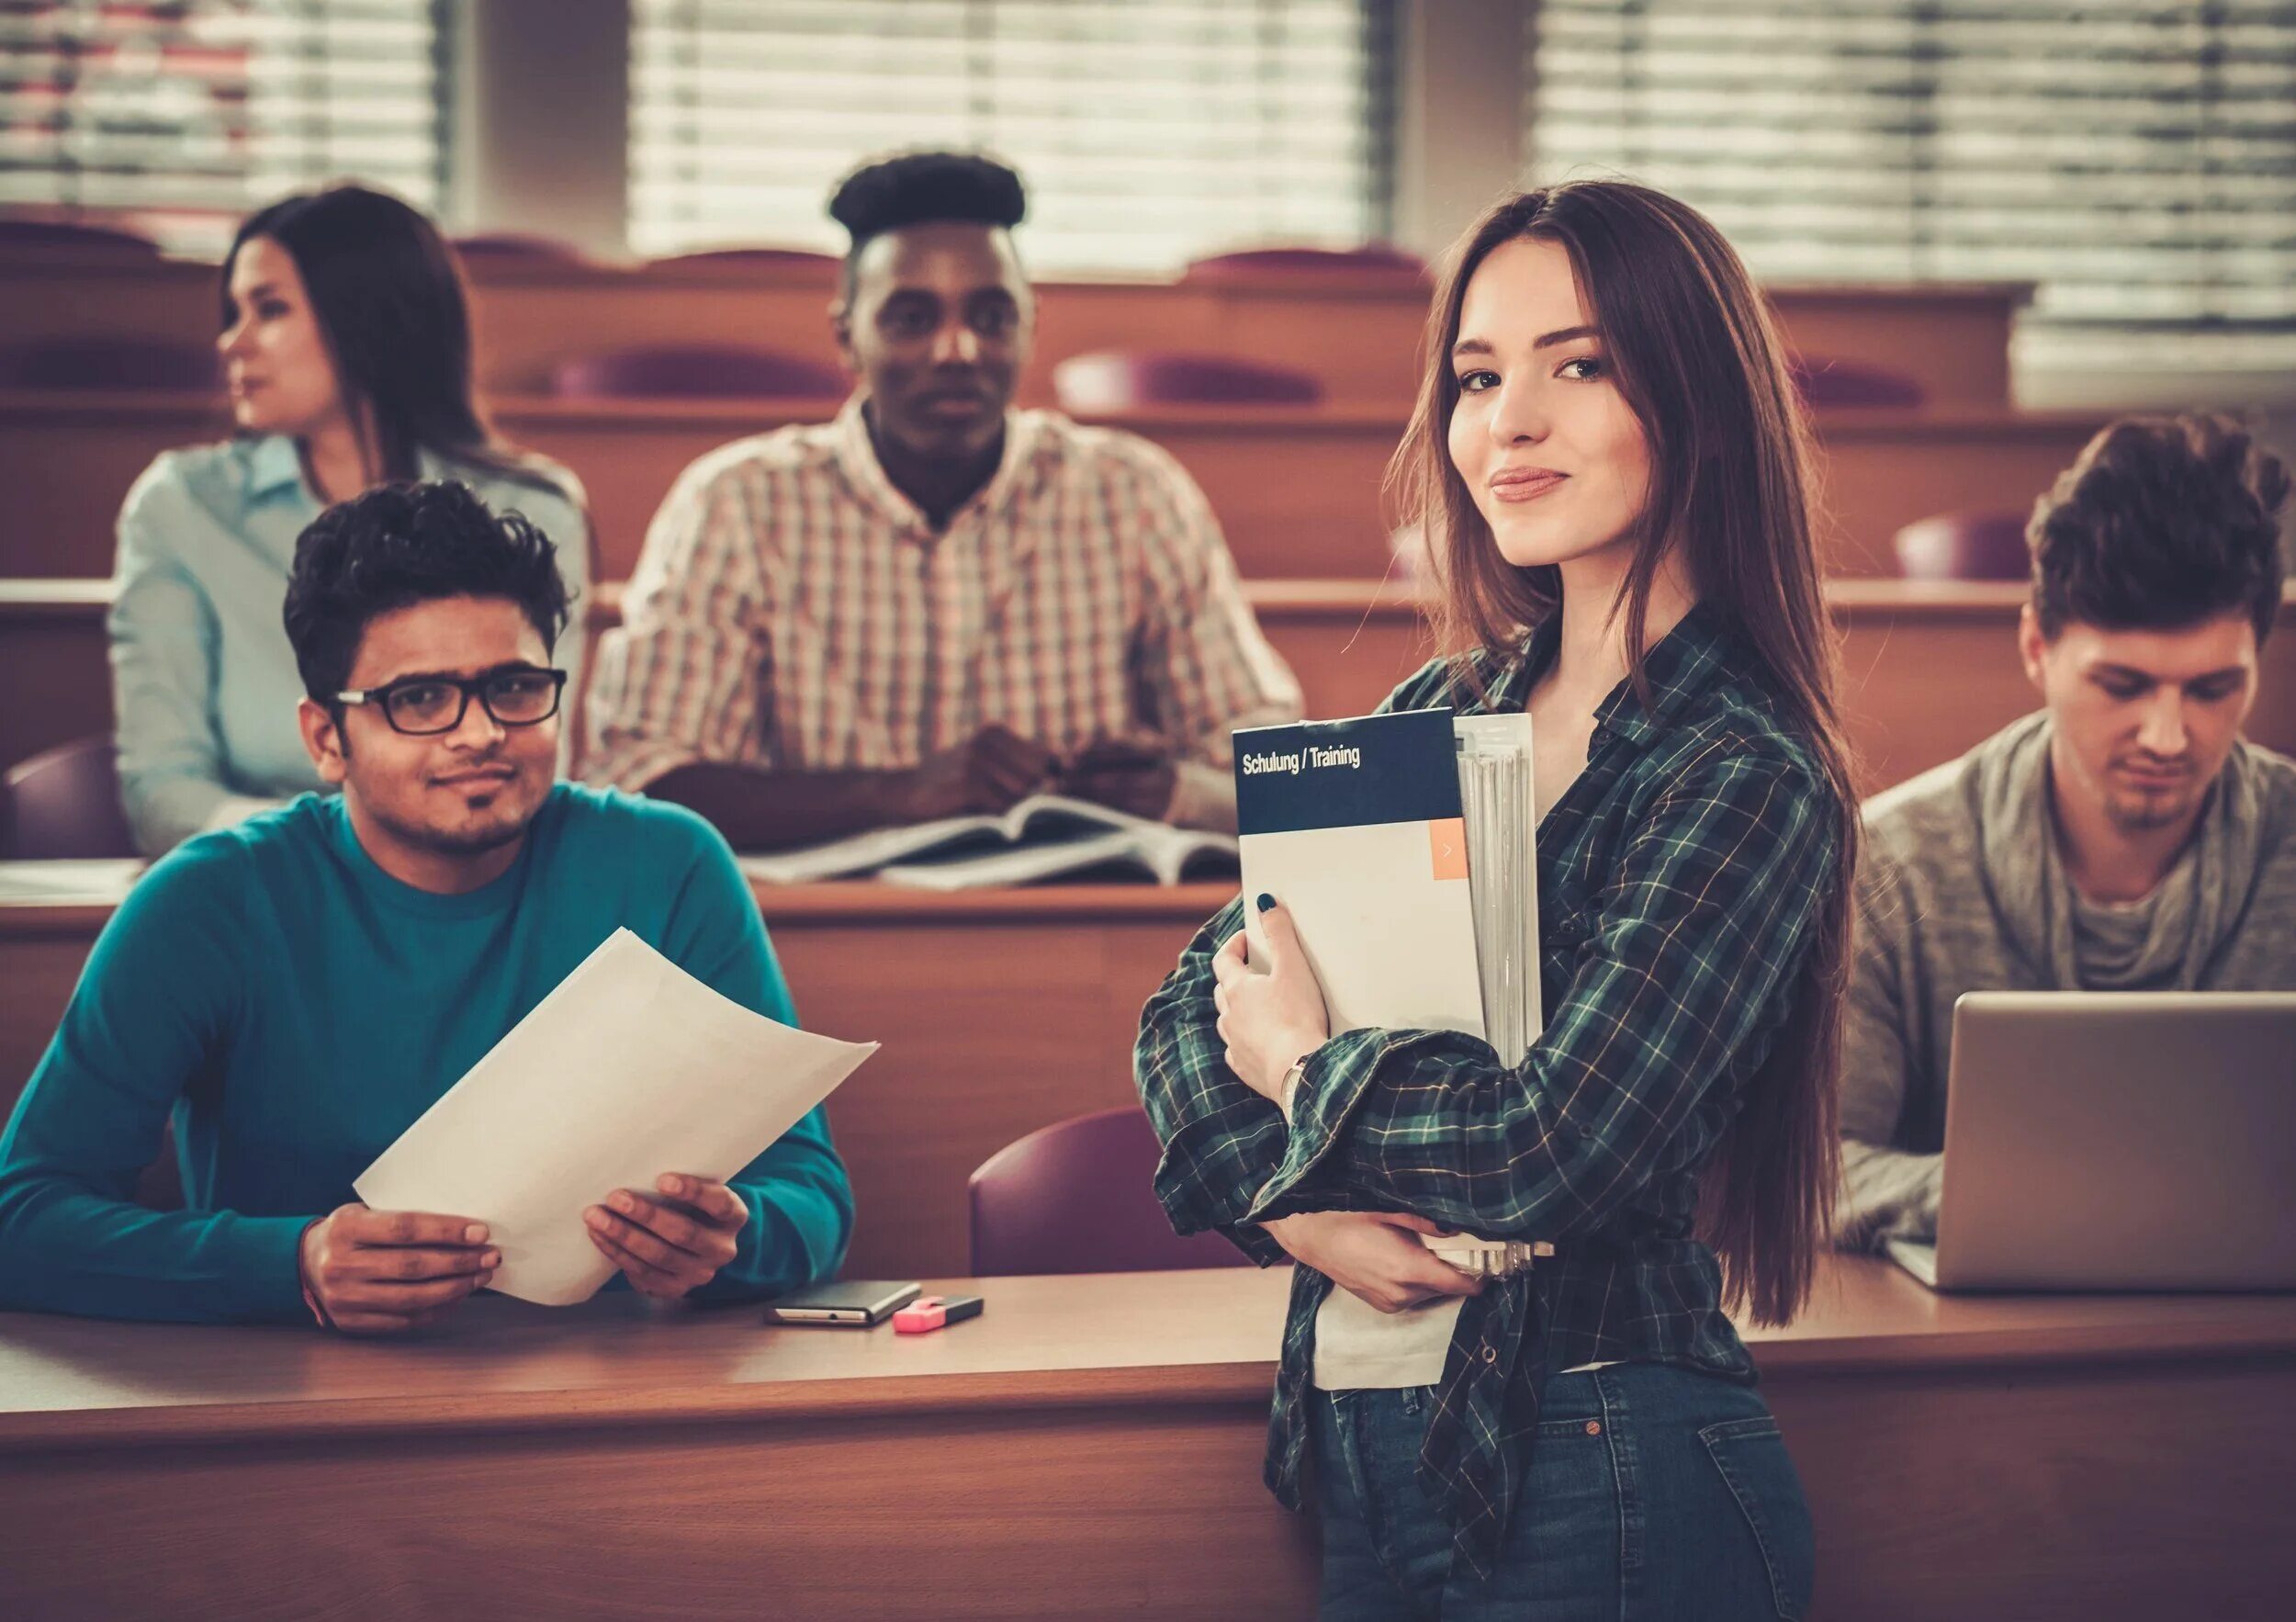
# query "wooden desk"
(1296, 490)
(1931, 672)
(1000, 1012)
(1090, 1446)
(1349, 641)
(1930, 669)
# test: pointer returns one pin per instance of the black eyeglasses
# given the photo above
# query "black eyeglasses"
(422, 706)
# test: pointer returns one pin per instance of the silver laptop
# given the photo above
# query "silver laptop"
(2117, 1141)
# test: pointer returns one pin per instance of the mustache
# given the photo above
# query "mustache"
(492, 764)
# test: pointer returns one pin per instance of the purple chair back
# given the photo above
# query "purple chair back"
(1965, 546)
(509, 247)
(65, 802)
(66, 234)
(1078, 1197)
(1825, 380)
(98, 360)
(695, 371)
(763, 257)
(1263, 264)
(1119, 380)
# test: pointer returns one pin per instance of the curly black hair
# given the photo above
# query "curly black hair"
(403, 544)
(913, 188)
(2161, 522)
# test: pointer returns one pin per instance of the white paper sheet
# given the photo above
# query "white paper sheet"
(68, 882)
(629, 1068)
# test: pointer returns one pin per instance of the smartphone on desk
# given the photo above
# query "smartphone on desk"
(853, 1303)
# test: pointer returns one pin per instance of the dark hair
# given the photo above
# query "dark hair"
(913, 188)
(389, 299)
(1698, 360)
(2159, 523)
(402, 544)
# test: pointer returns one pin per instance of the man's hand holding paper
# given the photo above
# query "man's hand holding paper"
(629, 1074)
(379, 1272)
(672, 1242)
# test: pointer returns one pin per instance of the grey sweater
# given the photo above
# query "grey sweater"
(1961, 888)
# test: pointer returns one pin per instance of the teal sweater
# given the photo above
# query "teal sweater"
(297, 1008)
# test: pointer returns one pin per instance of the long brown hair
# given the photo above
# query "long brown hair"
(1698, 360)
(389, 297)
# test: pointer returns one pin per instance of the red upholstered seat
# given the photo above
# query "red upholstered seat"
(760, 255)
(1275, 263)
(65, 802)
(1965, 546)
(1121, 380)
(1077, 1197)
(695, 371)
(1827, 380)
(509, 247)
(72, 234)
(97, 360)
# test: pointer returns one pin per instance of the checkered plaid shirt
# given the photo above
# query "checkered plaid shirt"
(1677, 878)
(794, 610)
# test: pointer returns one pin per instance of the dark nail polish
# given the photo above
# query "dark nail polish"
(1268, 902)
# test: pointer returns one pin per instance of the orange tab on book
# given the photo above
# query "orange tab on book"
(1446, 836)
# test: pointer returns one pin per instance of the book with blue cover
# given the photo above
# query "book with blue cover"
(1404, 846)
(1358, 828)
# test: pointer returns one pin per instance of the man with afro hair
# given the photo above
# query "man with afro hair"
(2124, 838)
(935, 603)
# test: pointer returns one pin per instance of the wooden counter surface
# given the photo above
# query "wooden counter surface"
(1930, 668)
(1042, 1343)
(2077, 1457)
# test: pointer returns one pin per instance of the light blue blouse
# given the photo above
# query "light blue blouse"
(204, 685)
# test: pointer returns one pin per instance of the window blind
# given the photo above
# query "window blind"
(2135, 159)
(1148, 132)
(176, 116)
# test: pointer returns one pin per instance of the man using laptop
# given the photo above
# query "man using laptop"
(2123, 839)
(297, 990)
(935, 604)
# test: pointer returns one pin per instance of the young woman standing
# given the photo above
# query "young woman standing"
(1612, 470)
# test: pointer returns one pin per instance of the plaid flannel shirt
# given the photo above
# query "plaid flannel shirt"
(794, 610)
(1676, 880)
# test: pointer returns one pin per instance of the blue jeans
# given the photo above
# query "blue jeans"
(1652, 1493)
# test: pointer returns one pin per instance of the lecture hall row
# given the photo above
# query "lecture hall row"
(1910, 387)
(1930, 664)
(1110, 1419)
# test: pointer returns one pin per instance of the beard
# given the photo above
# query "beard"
(2137, 811)
(487, 830)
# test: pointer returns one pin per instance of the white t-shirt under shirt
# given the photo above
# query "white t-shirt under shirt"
(1360, 1348)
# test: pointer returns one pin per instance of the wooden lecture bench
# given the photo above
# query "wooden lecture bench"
(1951, 339)
(1089, 1446)
(1296, 488)
(1932, 667)
(1000, 1012)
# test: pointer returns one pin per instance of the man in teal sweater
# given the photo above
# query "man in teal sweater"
(298, 989)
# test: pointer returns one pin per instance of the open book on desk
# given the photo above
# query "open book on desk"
(1043, 836)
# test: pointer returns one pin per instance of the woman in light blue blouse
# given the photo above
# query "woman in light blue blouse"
(346, 348)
